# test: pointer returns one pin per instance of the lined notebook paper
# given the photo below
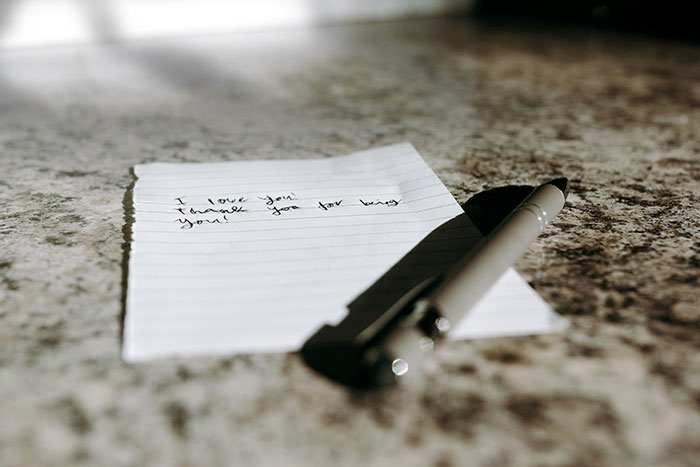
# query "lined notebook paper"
(254, 256)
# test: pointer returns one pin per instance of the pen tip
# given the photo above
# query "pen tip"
(561, 183)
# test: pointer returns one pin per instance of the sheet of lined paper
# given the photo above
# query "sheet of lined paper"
(254, 256)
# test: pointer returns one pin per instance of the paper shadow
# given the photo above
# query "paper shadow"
(488, 208)
(441, 249)
(127, 229)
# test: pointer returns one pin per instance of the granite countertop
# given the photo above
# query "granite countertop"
(486, 106)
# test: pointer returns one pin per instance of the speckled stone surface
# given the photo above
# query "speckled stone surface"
(486, 106)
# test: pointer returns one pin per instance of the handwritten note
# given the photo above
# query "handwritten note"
(254, 256)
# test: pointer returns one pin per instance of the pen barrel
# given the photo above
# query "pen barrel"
(466, 282)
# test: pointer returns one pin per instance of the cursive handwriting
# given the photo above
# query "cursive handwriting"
(188, 224)
(221, 207)
(269, 200)
(240, 199)
(389, 202)
(276, 211)
(229, 210)
(327, 206)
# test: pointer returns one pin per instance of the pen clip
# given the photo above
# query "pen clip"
(402, 313)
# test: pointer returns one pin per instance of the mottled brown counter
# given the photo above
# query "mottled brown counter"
(486, 106)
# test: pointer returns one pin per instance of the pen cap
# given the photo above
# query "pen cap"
(466, 282)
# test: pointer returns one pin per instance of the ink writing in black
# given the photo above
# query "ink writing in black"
(278, 210)
(188, 224)
(217, 209)
(389, 202)
(234, 200)
(230, 210)
(270, 200)
(327, 206)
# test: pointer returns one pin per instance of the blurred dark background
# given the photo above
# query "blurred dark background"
(674, 19)
(31, 23)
